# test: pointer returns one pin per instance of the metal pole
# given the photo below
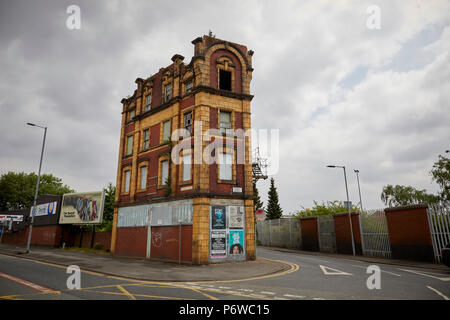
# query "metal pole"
(179, 243)
(360, 215)
(36, 193)
(349, 213)
(359, 190)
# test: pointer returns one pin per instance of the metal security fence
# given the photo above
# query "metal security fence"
(327, 235)
(439, 222)
(375, 234)
(283, 233)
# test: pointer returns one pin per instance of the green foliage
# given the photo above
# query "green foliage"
(324, 209)
(17, 189)
(441, 175)
(168, 186)
(97, 246)
(273, 207)
(108, 209)
(258, 204)
(405, 195)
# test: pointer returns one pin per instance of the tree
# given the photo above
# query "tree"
(405, 195)
(441, 175)
(17, 189)
(108, 209)
(328, 208)
(256, 198)
(273, 207)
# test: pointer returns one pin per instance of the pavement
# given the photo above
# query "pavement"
(149, 270)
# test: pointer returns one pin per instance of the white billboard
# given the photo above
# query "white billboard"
(82, 208)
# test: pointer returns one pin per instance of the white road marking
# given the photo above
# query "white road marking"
(246, 290)
(319, 299)
(334, 273)
(26, 283)
(394, 274)
(293, 296)
(426, 275)
(267, 292)
(439, 293)
(256, 295)
(224, 287)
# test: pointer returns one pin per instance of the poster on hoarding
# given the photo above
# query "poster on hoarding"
(218, 244)
(8, 217)
(219, 217)
(82, 208)
(44, 209)
(236, 242)
(236, 218)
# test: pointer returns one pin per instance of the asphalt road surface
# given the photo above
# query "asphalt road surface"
(309, 277)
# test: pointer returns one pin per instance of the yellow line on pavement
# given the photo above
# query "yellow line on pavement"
(293, 268)
(126, 292)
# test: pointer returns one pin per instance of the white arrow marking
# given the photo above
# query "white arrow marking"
(334, 273)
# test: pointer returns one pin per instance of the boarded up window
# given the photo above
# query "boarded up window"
(225, 80)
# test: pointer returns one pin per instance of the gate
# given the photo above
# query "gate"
(439, 222)
(375, 234)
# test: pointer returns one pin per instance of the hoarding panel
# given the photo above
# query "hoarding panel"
(236, 242)
(219, 217)
(236, 217)
(82, 208)
(44, 209)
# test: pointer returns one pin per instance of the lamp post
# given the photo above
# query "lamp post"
(359, 189)
(348, 206)
(37, 184)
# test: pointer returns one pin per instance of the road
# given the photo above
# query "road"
(309, 277)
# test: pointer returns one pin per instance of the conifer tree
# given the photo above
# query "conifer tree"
(256, 198)
(273, 207)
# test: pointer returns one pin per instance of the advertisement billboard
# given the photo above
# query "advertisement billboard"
(219, 217)
(236, 242)
(236, 214)
(15, 218)
(44, 209)
(218, 244)
(82, 208)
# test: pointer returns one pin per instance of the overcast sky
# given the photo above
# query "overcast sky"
(377, 100)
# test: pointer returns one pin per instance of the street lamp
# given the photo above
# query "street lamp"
(37, 184)
(348, 206)
(359, 189)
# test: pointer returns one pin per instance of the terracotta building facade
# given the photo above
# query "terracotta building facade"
(184, 179)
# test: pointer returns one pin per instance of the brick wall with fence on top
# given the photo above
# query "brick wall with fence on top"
(310, 234)
(409, 233)
(343, 234)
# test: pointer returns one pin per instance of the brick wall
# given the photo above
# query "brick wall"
(131, 242)
(41, 235)
(310, 234)
(409, 233)
(165, 243)
(343, 234)
(104, 238)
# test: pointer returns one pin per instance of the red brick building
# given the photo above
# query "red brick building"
(172, 201)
